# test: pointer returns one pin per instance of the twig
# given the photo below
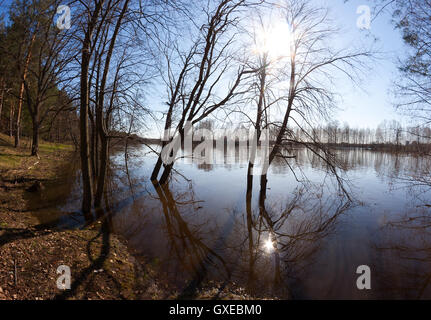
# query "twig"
(15, 276)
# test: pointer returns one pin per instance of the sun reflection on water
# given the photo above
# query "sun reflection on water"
(269, 245)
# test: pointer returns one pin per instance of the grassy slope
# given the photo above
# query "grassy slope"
(19, 158)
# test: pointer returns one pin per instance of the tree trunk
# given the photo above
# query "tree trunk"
(21, 93)
(263, 187)
(87, 183)
(258, 125)
(35, 141)
(283, 126)
(156, 169)
(101, 126)
(87, 179)
(11, 114)
(104, 155)
(94, 147)
(18, 115)
(1, 99)
(168, 168)
(166, 173)
(159, 162)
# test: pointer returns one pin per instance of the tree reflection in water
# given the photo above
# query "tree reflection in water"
(187, 244)
(234, 252)
(294, 231)
(275, 243)
(194, 246)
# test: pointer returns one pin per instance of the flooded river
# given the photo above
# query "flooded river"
(305, 241)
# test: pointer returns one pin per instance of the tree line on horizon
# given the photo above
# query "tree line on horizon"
(391, 133)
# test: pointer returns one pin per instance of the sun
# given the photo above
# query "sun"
(273, 40)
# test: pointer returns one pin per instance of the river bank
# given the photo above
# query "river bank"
(31, 251)
(33, 247)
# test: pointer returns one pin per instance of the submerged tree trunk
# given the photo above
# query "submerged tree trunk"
(87, 179)
(159, 162)
(101, 122)
(157, 168)
(263, 187)
(166, 173)
(168, 167)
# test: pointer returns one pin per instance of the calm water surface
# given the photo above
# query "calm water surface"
(304, 242)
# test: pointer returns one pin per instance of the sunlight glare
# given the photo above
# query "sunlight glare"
(269, 245)
(274, 41)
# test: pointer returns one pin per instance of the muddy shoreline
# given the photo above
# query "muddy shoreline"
(31, 250)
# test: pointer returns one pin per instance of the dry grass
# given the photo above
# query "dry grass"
(17, 162)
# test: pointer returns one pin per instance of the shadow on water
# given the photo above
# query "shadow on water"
(182, 239)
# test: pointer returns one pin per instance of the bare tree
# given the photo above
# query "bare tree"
(310, 70)
(201, 72)
(49, 73)
(112, 75)
(101, 121)
(94, 13)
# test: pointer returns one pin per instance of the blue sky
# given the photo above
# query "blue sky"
(373, 104)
